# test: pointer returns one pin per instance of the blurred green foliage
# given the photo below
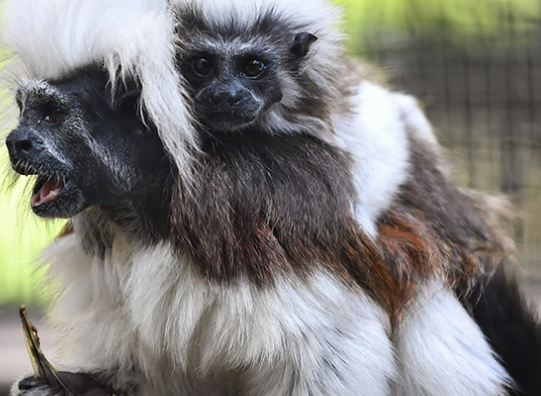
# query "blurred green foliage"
(22, 236)
(493, 18)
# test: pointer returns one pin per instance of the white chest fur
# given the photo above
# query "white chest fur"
(143, 308)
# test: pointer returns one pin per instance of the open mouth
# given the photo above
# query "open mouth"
(46, 190)
(55, 194)
(51, 193)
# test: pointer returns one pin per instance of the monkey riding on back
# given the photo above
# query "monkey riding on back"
(251, 213)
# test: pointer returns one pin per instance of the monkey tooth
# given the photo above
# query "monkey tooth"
(47, 192)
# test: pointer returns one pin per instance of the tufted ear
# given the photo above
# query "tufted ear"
(302, 43)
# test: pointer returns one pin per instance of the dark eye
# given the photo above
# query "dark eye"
(253, 68)
(54, 115)
(202, 66)
(128, 99)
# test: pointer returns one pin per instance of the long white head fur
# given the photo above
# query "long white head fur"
(131, 38)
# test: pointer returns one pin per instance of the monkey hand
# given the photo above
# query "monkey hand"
(81, 384)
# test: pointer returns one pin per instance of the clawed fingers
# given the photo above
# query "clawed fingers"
(41, 390)
(32, 386)
(30, 382)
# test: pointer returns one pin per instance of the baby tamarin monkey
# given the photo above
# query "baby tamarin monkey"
(284, 72)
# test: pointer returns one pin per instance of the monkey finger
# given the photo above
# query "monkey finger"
(30, 382)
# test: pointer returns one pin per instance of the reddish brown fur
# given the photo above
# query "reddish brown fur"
(434, 229)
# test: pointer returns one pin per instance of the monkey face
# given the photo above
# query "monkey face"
(85, 146)
(231, 90)
(242, 75)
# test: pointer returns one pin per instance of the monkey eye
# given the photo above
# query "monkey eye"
(253, 68)
(202, 66)
(128, 98)
(54, 115)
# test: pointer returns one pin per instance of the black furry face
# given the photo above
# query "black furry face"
(86, 147)
(231, 91)
(236, 74)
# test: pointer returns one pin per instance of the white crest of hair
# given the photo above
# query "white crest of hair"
(152, 320)
(320, 16)
(442, 350)
(129, 37)
(323, 64)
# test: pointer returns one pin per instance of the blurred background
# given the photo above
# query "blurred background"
(476, 68)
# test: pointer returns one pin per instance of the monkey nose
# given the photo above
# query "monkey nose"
(226, 97)
(24, 143)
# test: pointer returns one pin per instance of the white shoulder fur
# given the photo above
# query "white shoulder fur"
(377, 133)
(376, 136)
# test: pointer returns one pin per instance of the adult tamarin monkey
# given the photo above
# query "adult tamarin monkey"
(294, 75)
(277, 258)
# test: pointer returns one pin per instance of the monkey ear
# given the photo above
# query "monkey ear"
(302, 43)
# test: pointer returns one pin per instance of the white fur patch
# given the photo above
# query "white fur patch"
(443, 352)
(129, 37)
(415, 120)
(144, 308)
(378, 138)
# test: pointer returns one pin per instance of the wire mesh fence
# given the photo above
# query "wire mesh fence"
(481, 87)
